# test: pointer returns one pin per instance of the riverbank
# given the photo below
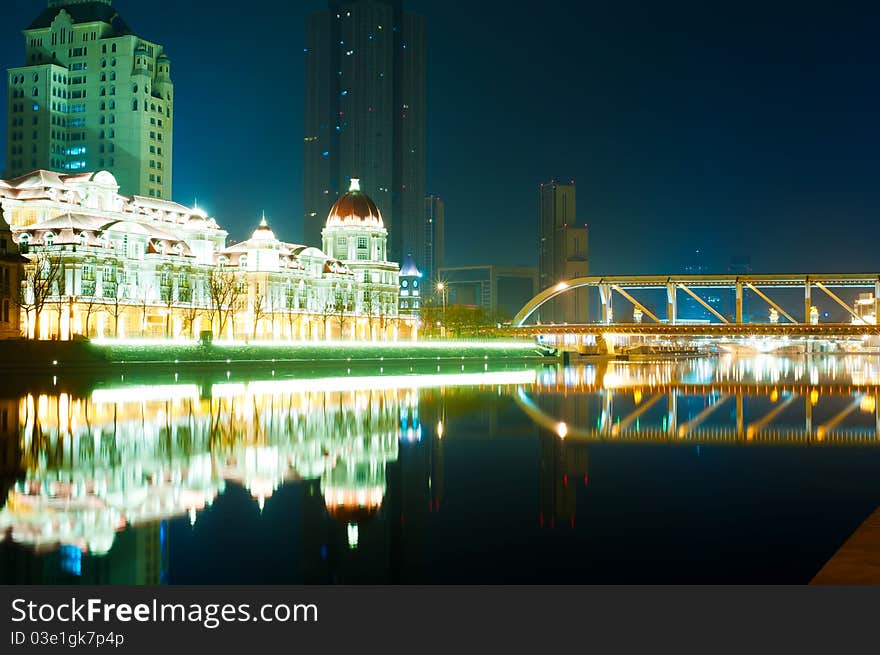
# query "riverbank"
(48, 356)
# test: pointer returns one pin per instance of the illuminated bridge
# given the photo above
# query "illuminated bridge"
(655, 302)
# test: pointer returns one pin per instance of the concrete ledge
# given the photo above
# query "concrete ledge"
(858, 560)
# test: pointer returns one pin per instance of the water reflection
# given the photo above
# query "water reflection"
(97, 486)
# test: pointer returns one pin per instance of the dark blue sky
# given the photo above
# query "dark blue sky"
(747, 128)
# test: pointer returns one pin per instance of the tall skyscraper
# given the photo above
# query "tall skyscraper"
(365, 116)
(562, 252)
(435, 236)
(91, 95)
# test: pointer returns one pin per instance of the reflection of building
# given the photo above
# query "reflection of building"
(10, 275)
(498, 290)
(92, 95)
(132, 266)
(562, 253)
(563, 472)
(435, 236)
(365, 115)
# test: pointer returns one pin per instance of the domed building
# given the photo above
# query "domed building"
(144, 267)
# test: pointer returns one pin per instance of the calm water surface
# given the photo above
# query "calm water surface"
(716, 470)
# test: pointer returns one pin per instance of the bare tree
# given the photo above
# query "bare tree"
(144, 298)
(339, 308)
(41, 274)
(225, 291)
(92, 307)
(259, 309)
(115, 293)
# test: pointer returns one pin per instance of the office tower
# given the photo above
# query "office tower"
(562, 252)
(500, 291)
(435, 236)
(91, 95)
(365, 116)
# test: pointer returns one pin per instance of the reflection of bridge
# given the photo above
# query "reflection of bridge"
(643, 293)
(733, 411)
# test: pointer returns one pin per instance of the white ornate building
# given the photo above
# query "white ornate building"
(131, 266)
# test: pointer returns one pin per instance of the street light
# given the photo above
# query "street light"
(441, 287)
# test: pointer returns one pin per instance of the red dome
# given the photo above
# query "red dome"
(355, 208)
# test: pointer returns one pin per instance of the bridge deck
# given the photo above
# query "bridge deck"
(712, 330)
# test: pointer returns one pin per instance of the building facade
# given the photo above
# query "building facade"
(91, 95)
(10, 282)
(435, 237)
(128, 266)
(410, 301)
(501, 291)
(563, 252)
(365, 116)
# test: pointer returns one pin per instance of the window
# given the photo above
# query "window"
(49, 239)
(362, 242)
(134, 105)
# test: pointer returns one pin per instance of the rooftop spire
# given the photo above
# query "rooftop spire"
(355, 184)
(264, 222)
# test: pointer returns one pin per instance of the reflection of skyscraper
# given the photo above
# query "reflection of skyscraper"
(563, 471)
(365, 116)
(12, 466)
(139, 556)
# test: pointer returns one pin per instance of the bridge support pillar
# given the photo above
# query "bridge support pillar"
(877, 302)
(672, 414)
(808, 301)
(808, 423)
(740, 416)
(739, 302)
(877, 413)
(671, 304)
(605, 295)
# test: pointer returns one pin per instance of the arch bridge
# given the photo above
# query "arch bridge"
(799, 319)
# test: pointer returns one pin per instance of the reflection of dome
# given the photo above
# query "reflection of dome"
(353, 504)
(355, 209)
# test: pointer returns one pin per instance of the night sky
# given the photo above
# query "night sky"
(747, 128)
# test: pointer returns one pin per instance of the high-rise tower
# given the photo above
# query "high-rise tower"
(562, 252)
(435, 237)
(91, 95)
(365, 116)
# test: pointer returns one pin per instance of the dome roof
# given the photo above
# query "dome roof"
(355, 209)
(263, 232)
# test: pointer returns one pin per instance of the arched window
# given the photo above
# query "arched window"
(24, 240)
(242, 261)
(112, 105)
(49, 239)
(83, 239)
(112, 90)
(134, 105)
